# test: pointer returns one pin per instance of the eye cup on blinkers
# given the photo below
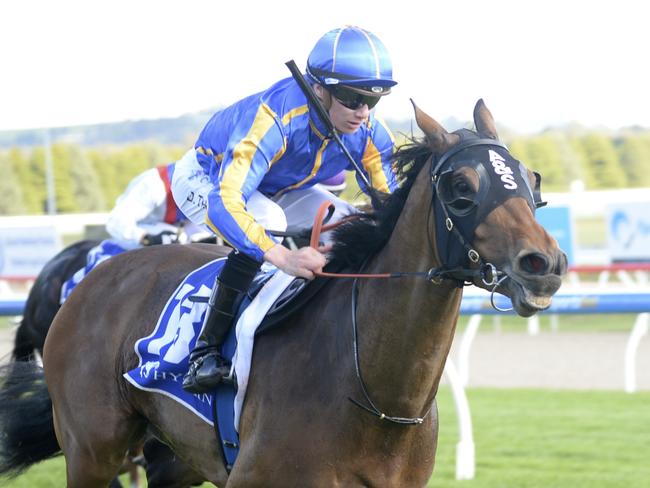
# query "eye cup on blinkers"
(459, 202)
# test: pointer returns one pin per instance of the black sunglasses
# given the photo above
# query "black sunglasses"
(352, 100)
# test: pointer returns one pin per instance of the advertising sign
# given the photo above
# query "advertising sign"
(628, 231)
(25, 250)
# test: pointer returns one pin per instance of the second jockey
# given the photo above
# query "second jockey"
(144, 214)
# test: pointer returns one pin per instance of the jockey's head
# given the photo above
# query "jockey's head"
(351, 70)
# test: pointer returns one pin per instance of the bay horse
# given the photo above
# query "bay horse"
(344, 393)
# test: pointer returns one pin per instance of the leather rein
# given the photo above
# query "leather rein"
(487, 272)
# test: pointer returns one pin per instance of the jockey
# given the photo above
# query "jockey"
(256, 167)
(144, 214)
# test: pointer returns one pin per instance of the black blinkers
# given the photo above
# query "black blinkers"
(499, 176)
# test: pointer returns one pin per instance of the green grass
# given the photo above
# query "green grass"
(6, 322)
(542, 438)
(48, 474)
(524, 438)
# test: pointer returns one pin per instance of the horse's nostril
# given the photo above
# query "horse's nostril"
(562, 264)
(534, 263)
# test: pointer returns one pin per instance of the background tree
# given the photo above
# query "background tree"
(11, 195)
(544, 156)
(63, 186)
(573, 161)
(31, 174)
(605, 170)
(88, 193)
(518, 147)
(90, 178)
(634, 154)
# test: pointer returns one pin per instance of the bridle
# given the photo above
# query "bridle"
(465, 266)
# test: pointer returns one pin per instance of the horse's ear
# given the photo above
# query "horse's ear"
(484, 121)
(438, 138)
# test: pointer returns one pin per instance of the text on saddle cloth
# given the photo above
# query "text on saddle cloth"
(164, 354)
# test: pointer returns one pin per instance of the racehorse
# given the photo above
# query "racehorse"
(344, 393)
(43, 300)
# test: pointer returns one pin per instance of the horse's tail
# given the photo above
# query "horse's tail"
(23, 345)
(26, 422)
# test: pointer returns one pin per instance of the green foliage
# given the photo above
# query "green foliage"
(117, 166)
(551, 154)
(634, 154)
(88, 193)
(11, 195)
(29, 169)
(542, 154)
(85, 179)
(605, 170)
(519, 149)
(63, 184)
(573, 161)
(89, 179)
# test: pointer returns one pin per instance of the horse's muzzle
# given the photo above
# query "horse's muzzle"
(534, 279)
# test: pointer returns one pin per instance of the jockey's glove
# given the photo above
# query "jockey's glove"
(165, 237)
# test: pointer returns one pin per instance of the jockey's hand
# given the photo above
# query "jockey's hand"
(165, 237)
(300, 262)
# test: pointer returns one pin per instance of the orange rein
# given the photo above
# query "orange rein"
(316, 231)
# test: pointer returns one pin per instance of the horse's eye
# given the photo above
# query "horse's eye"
(461, 186)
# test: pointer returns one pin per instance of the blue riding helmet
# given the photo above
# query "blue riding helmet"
(353, 57)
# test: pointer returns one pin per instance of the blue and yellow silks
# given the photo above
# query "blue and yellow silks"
(273, 142)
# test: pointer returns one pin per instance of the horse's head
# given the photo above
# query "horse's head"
(485, 202)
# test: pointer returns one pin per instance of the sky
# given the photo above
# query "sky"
(535, 63)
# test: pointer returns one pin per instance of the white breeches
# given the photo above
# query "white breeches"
(295, 209)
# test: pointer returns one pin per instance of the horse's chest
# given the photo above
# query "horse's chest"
(333, 457)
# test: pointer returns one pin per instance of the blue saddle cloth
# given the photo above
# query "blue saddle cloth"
(164, 356)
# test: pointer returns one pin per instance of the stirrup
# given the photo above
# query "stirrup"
(206, 370)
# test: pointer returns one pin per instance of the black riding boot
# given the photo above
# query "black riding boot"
(207, 366)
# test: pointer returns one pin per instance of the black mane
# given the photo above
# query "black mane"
(360, 238)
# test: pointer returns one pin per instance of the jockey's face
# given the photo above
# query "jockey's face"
(346, 120)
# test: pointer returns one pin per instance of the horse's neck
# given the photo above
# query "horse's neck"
(406, 325)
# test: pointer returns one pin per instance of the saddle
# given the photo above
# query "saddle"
(164, 353)
(292, 299)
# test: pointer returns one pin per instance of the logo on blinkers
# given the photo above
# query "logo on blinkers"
(504, 171)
